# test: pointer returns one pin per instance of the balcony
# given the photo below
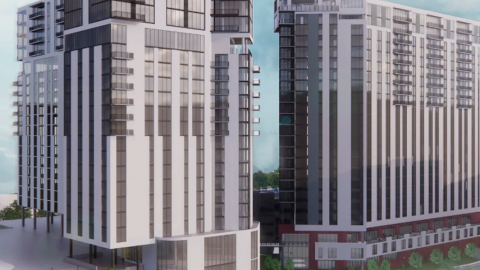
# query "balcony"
(465, 69)
(256, 120)
(220, 78)
(256, 82)
(437, 37)
(436, 66)
(256, 69)
(464, 41)
(464, 106)
(401, 62)
(128, 16)
(435, 25)
(400, 51)
(16, 124)
(402, 41)
(15, 133)
(256, 133)
(59, 34)
(219, 92)
(15, 114)
(121, 132)
(402, 31)
(225, 28)
(464, 87)
(464, 60)
(59, 47)
(122, 101)
(219, 132)
(435, 47)
(37, 27)
(17, 93)
(434, 56)
(122, 71)
(402, 19)
(464, 31)
(224, 12)
(37, 15)
(17, 103)
(403, 102)
(402, 93)
(435, 104)
(36, 53)
(435, 76)
(122, 55)
(464, 96)
(402, 82)
(462, 78)
(60, 20)
(256, 94)
(60, 7)
(219, 119)
(17, 83)
(256, 108)
(122, 86)
(219, 105)
(435, 95)
(435, 85)
(36, 40)
(121, 117)
(402, 72)
(219, 64)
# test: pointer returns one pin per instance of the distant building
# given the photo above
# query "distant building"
(379, 131)
(265, 211)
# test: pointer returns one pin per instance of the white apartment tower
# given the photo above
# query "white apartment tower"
(379, 133)
(135, 122)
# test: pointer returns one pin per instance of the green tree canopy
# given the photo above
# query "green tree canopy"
(260, 180)
(471, 250)
(14, 211)
(454, 254)
(272, 264)
(385, 265)
(273, 179)
(436, 257)
(415, 260)
(372, 265)
(289, 265)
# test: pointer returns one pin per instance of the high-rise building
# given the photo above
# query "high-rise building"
(379, 133)
(135, 121)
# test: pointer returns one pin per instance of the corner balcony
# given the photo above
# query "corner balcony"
(122, 71)
(122, 86)
(225, 28)
(122, 55)
(256, 133)
(256, 82)
(17, 83)
(121, 117)
(128, 16)
(256, 108)
(256, 69)
(256, 94)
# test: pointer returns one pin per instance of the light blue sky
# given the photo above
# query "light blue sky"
(265, 51)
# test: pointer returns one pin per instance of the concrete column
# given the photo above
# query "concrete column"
(48, 223)
(23, 216)
(90, 253)
(61, 218)
(138, 257)
(71, 249)
(34, 219)
(113, 259)
(94, 252)
(116, 256)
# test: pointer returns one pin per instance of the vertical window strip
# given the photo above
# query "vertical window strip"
(80, 144)
(121, 186)
(91, 159)
(333, 154)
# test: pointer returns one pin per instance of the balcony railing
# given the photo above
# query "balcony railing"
(435, 95)
(435, 25)
(256, 69)
(464, 87)
(402, 19)
(466, 51)
(225, 28)
(464, 106)
(464, 69)
(400, 51)
(402, 72)
(435, 47)
(214, 64)
(256, 108)
(435, 76)
(128, 16)
(464, 96)
(122, 101)
(122, 70)
(402, 41)
(403, 102)
(309, 8)
(402, 31)
(59, 47)
(37, 53)
(122, 55)
(401, 62)
(220, 119)
(220, 92)
(435, 104)
(16, 93)
(122, 86)
(402, 82)
(220, 78)
(462, 78)
(36, 40)
(402, 93)
(437, 66)
(121, 117)
(60, 7)
(256, 95)
(435, 85)
(224, 12)
(60, 20)
(219, 132)
(430, 36)
(17, 83)
(464, 31)
(464, 60)
(464, 41)
(434, 56)
(37, 27)
(219, 105)
(37, 15)
(59, 34)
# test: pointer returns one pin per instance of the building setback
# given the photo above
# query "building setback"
(379, 133)
(135, 122)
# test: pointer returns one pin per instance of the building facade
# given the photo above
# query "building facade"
(379, 134)
(135, 121)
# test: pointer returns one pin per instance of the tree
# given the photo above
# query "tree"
(273, 179)
(289, 265)
(415, 260)
(436, 257)
(446, 264)
(272, 264)
(372, 265)
(259, 180)
(385, 265)
(471, 250)
(454, 254)
(14, 211)
(41, 213)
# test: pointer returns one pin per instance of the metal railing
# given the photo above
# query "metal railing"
(464, 69)
(59, 47)
(225, 28)
(37, 27)
(459, 50)
(224, 12)
(436, 95)
(400, 51)
(60, 20)
(402, 93)
(464, 96)
(128, 15)
(219, 119)
(403, 72)
(402, 31)
(402, 41)
(122, 55)
(36, 40)
(437, 66)
(220, 78)
(434, 56)
(402, 19)
(430, 36)
(464, 87)
(219, 105)
(122, 86)
(219, 132)
(402, 82)
(464, 41)
(462, 78)
(435, 85)
(37, 14)
(122, 70)
(464, 60)
(36, 53)
(219, 64)
(435, 25)
(122, 101)
(59, 34)
(435, 104)
(435, 47)
(121, 117)
(309, 8)
(401, 62)
(436, 76)
(220, 92)
(464, 106)
(464, 31)
(403, 102)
